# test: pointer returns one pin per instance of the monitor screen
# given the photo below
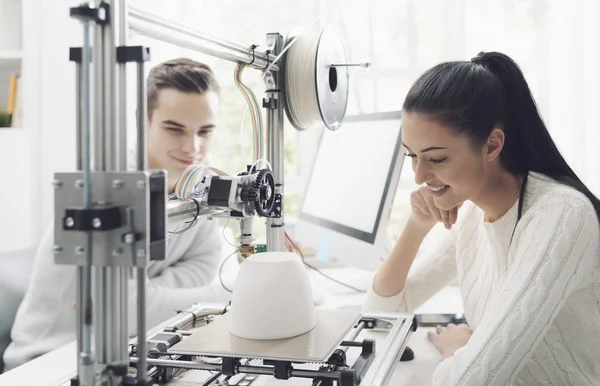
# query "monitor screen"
(352, 173)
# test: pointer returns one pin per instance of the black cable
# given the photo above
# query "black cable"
(193, 316)
(334, 280)
(197, 210)
(268, 53)
(190, 223)
(225, 309)
(210, 380)
(253, 47)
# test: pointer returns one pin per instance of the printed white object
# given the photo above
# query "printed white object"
(272, 298)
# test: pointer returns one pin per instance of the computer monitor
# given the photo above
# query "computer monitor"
(350, 191)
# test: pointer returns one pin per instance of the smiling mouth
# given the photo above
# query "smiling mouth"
(438, 188)
(185, 162)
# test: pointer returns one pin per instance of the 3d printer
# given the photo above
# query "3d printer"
(110, 222)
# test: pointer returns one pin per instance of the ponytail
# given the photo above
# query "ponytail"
(528, 145)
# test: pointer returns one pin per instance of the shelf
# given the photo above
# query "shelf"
(11, 55)
(10, 60)
(12, 133)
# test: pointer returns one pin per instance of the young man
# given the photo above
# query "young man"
(182, 105)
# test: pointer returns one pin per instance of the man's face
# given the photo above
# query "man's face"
(180, 130)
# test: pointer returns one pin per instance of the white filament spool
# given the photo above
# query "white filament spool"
(316, 92)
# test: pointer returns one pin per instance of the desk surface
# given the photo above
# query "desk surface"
(57, 367)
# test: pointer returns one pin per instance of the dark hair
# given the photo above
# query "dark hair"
(185, 75)
(490, 91)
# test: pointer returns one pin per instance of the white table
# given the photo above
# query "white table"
(57, 367)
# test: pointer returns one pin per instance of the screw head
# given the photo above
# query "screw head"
(57, 183)
(116, 184)
(80, 250)
(141, 184)
(69, 222)
(79, 184)
(117, 252)
(96, 223)
(88, 359)
(141, 252)
(129, 238)
(57, 249)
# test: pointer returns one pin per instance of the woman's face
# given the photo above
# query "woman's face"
(446, 161)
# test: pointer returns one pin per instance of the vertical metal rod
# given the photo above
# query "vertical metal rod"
(142, 161)
(78, 126)
(79, 271)
(124, 314)
(123, 30)
(141, 156)
(123, 330)
(141, 325)
(112, 129)
(99, 135)
(275, 226)
(79, 275)
(111, 310)
(84, 274)
(111, 148)
(99, 312)
(99, 165)
(120, 22)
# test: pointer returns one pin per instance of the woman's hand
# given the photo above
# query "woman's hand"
(450, 338)
(424, 212)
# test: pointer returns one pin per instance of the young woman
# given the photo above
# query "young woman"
(523, 239)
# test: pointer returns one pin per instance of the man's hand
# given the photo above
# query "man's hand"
(450, 338)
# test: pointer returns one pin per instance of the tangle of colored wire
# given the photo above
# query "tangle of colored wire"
(199, 320)
(131, 372)
(187, 188)
(188, 225)
(255, 112)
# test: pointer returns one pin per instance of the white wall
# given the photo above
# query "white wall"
(52, 97)
(45, 144)
(16, 167)
(17, 162)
